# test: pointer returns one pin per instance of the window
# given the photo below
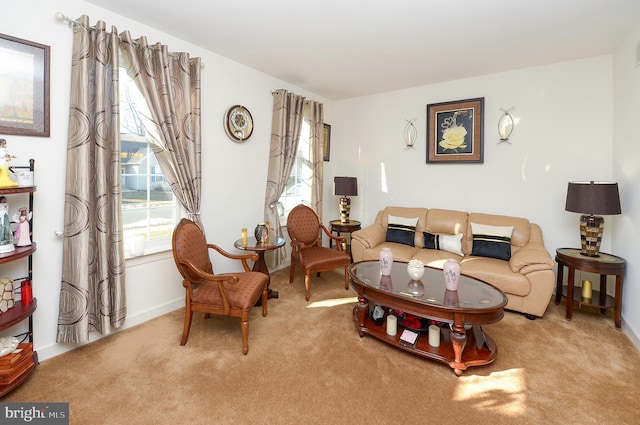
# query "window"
(149, 208)
(298, 188)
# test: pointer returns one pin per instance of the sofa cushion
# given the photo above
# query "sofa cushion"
(449, 222)
(401, 230)
(409, 212)
(498, 273)
(491, 241)
(450, 243)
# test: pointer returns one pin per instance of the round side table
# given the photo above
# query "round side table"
(604, 265)
(338, 227)
(260, 249)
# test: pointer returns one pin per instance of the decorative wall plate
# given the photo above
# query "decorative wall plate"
(238, 123)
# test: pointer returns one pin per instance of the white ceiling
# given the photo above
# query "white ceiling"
(347, 48)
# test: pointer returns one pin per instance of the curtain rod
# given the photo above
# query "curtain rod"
(61, 17)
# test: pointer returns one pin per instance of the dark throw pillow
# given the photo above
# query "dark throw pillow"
(491, 241)
(401, 230)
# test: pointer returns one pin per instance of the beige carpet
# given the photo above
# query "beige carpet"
(307, 365)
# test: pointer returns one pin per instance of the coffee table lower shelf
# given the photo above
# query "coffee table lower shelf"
(478, 349)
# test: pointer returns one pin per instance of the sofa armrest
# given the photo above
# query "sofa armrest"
(530, 258)
(370, 236)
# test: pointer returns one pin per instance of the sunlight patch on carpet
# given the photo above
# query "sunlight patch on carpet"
(500, 392)
(333, 302)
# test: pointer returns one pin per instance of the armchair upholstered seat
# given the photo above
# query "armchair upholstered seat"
(230, 294)
(305, 229)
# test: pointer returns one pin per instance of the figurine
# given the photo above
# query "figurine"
(6, 238)
(5, 158)
(23, 232)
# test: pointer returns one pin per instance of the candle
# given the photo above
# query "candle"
(26, 291)
(244, 236)
(392, 325)
(586, 289)
(434, 336)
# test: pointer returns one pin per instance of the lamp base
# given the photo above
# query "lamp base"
(345, 207)
(591, 228)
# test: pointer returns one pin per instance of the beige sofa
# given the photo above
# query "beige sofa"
(527, 278)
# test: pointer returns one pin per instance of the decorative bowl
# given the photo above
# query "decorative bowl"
(7, 345)
(415, 268)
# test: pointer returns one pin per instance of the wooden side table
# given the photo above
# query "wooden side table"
(339, 227)
(261, 264)
(604, 265)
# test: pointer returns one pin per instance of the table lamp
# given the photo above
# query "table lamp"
(345, 187)
(589, 199)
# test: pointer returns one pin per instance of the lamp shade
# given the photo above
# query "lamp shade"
(346, 186)
(593, 198)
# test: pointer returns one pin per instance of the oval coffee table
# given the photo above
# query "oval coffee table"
(463, 343)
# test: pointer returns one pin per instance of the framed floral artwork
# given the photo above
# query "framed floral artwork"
(455, 131)
(24, 87)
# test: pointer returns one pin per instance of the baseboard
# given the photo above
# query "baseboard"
(52, 350)
(631, 334)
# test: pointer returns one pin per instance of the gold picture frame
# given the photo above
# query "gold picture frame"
(326, 142)
(24, 87)
(455, 131)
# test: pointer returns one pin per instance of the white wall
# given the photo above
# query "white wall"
(626, 170)
(233, 174)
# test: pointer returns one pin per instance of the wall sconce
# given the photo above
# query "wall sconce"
(410, 134)
(505, 125)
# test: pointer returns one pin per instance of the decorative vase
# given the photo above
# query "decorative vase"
(451, 271)
(261, 232)
(415, 268)
(386, 261)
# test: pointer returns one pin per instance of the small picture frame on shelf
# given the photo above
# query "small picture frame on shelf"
(409, 338)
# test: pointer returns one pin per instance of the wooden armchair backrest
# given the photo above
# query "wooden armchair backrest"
(189, 244)
(303, 225)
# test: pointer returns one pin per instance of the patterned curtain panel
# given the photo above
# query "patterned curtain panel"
(288, 109)
(92, 295)
(314, 113)
(170, 83)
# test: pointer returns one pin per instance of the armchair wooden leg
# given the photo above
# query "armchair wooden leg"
(245, 332)
(306, 286)
(188, 315)
(346, 279)
(264, 302)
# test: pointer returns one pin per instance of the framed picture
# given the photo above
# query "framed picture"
(326, 138)
(455, 131)
(24, 87)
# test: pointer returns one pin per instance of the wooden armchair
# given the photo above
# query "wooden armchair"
(230, 294)
(304, 229)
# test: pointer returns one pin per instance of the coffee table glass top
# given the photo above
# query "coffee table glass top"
(430, 289)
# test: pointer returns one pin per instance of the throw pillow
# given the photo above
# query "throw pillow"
(450, 243)
(401, 230)
(491, 241)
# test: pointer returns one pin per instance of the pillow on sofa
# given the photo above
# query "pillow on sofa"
(491, 241)
(450, 243)
(401, 230)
